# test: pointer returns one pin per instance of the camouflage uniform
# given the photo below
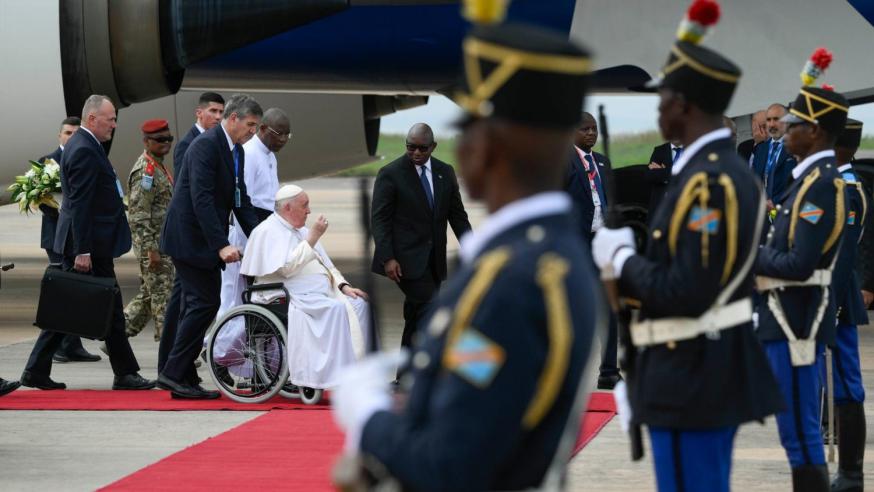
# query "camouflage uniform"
(148, 199)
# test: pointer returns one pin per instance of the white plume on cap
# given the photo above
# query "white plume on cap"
(288, 191)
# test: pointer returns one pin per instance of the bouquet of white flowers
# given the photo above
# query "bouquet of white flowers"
(37, 186)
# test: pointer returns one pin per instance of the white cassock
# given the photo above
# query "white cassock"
(326, 328)
(261, 185)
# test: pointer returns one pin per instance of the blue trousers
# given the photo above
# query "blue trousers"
(846, 370)
(799, 425)
(691, 461)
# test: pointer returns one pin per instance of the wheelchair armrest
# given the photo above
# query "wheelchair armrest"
(247, 294)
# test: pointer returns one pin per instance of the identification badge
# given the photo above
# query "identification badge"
(120, 189)
(237, 197)
(146, 182)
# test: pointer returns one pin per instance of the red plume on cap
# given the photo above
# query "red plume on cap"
(818, 62)
(701, 15)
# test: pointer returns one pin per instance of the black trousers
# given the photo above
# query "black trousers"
(418, 294)
(71, 343)
(171, 322)
(610, 349)
(121, 356)
(200, 301)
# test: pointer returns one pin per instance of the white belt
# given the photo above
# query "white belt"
(819, 278)
(715, 319)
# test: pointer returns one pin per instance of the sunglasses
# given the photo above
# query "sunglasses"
(286, 136)
(167, 139)
(420, 148)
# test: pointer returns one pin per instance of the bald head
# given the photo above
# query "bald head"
(757, 124)
(275, 117)
(420, 144)
(421, 131)
(587, 132)
(275, 129)
(773, 125)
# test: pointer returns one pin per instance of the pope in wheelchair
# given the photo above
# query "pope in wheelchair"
(324, 322)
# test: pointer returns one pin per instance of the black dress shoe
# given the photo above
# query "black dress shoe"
(7, 387)
(82, 355)
(183, 390)
(40, 382)
(132, 381)
(60, 358)
(608, 382)
(207, 394)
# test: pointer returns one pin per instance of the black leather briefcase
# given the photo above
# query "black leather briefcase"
(76, 303)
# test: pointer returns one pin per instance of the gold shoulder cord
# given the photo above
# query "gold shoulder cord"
(731, 225)
(840, 215)
(796, 206)
(861, 189)
(551, 272)
(696, 188)
(488, 267)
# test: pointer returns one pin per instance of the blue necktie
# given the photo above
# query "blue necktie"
(678, 151)
(427, 186)
(597, 178)
(773, 153)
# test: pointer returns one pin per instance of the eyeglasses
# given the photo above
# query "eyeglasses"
(164, 139)
(420, 148)
(286, 136)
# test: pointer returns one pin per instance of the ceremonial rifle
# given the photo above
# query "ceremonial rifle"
(611, 287)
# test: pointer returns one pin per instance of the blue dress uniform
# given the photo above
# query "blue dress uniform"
(849, 393)
(796, 316)
(496, 377)
(699, 371)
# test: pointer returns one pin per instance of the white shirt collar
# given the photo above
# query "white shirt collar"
(539, 205)
(806, 163)
(90, 133)
(62, 147)
(690, 151)
(590, 152)
(426, 165)
(230, 142)
(846, 167)
(199, 128)
(260, 145)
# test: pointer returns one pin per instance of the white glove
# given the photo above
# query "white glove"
(623, 407)
(364, 389)
(608, 242)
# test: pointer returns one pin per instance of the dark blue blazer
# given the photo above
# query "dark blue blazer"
(576, 184)
(464, 425)
(92, 218)
(196, 227)
(812, 247)
(49, 214)
(781, 174)
(181, 147)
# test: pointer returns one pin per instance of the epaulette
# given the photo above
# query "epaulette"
(849, 177)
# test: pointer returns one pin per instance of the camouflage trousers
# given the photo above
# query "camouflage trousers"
(151, 301)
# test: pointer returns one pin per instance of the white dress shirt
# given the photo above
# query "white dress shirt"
(598, 215)
(802, 166)
(199, 128)
(697, 145)
(261, 179)
(427, 166)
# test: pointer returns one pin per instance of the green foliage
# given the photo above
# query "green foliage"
(867, 143)
(625, 150)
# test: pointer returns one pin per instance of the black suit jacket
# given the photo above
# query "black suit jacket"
(658, 178)
(49, 214)
(576, 184)
(781, 175)
(196, 226)
(404, 226)
(181, 147)
(92, 218)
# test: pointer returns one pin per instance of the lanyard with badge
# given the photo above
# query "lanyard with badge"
(236, 177)
(773, 154)
(591, 173)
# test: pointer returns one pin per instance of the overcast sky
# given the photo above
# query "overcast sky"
(626, 114)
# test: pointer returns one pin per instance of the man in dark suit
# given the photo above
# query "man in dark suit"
(659, 172)
(209, 187)
(413, 199)
(210, 108)
(772, 163)
(584, 182)
(92, 230)
(760, 134)
(71, 349)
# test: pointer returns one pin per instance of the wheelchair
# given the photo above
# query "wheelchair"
(246, 350)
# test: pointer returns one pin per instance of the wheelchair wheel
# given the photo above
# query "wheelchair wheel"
(310, 396)
(246, 354)
(290, 391)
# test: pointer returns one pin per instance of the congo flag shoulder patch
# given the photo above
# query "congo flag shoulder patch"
(475, 358)
(811, 213)
(704, 220)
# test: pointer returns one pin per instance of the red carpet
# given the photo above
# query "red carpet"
(282, 451)
(135, 401)
(276, 451)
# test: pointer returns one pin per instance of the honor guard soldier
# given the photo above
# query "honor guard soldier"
(796, 316)
(700, 372)
(849, 394)
(495, 377)
(151, 187)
